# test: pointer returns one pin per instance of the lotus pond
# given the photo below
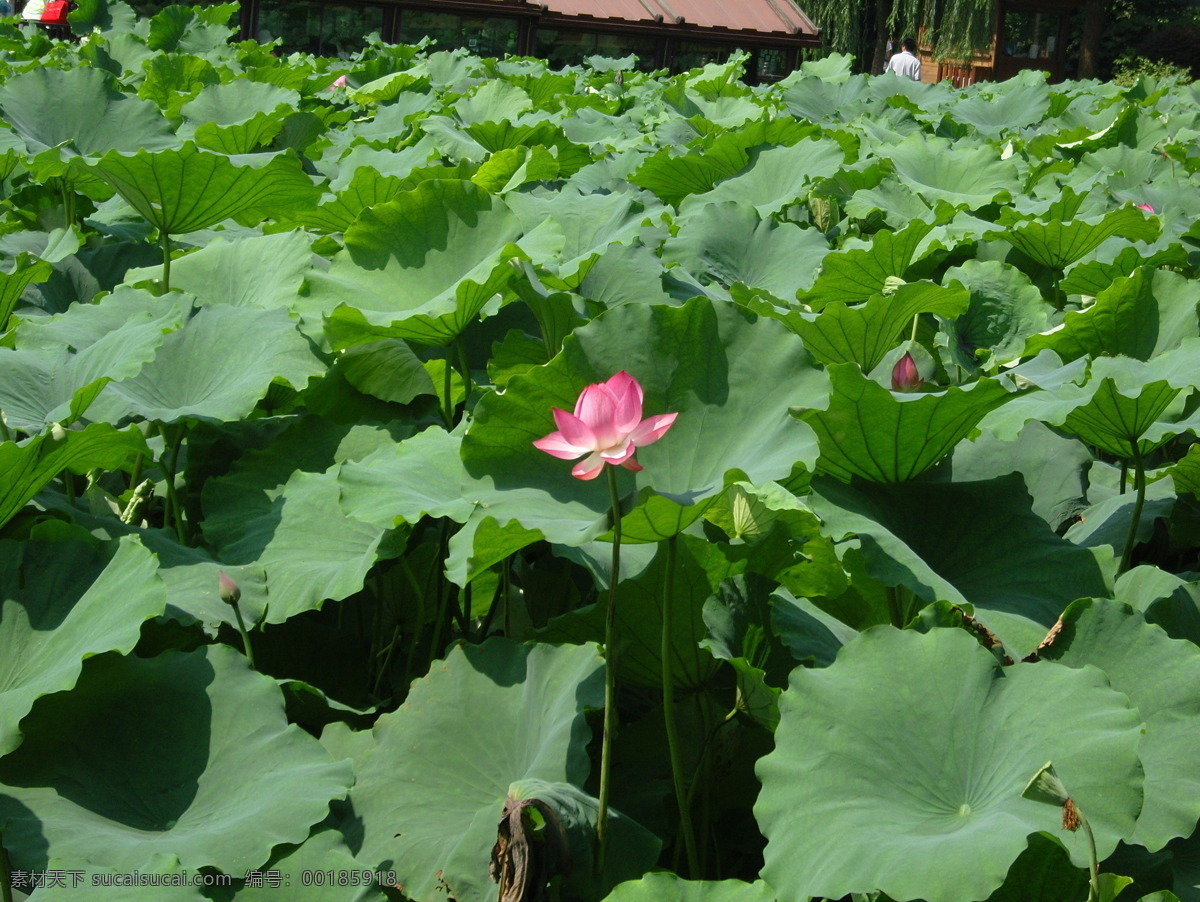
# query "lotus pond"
(430, 477)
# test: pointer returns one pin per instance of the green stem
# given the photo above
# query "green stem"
(1124, 475)
(1093, 859)
(464, 368)
(668, 687)
(5, 435)
(174, 508)
(447, 395)
(387, 661)
(68, 479)
(895, 607)
(610, 673)
(166, 252)
(241, 627)
(916, 323)
(1139, 484)
(419, 625)
(5, 874)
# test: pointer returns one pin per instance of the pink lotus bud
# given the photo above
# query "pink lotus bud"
(228, 589)
(1146, 207)
(607, 426)
(339, 82)
(905, 375)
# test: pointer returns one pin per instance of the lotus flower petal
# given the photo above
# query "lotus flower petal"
(651, 429)
(556, 445)
(589, 467)
(574, 430)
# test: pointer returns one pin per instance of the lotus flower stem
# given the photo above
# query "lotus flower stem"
(173, 507)
(1139, 484)
(447, 396)
(916, 325)
(668, 687)
(610, 674)
(5, 874)
(166, 251)
(895, 607)
(1093, 859)
(5, 435)
(464, 368)
(245, 634)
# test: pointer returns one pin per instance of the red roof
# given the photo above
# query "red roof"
(763, 16)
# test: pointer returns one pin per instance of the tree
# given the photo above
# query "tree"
(863, 27)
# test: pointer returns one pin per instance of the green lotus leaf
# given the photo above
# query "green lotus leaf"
(367, 188)
(883, 436)
(1094, 276)
(421, 267)
(55, 617)
(673, 888)
(405, 481)
(83, 325)
(726, 242)
(172, 79)
(83, 108)
(729, 375)
(829, 101)
(936, 763)
(215, 368)
(1053, 466)
(1158, 674)
(219, 776)
(809, 633)
(931, 539)
(672, 177)
(278, 510)
(1107, 521)
(853, 276)
(13, 284)
(237, 117)
(188, 189)
(265, 271)
(1014, 104)
(1141, 316)
(864, 334)
(1057, 244)
(1123, 425)
(512, 717)
(589, 224)
(25, 469)
(960, 174)
(1043, 873)
(1113, 401)
(778, 176)
(235, 102)
(191, 29)
(46, 385)
(1005, 310)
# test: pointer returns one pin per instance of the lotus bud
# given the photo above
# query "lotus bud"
(905, 375)
(228, 590)
(1146, 208)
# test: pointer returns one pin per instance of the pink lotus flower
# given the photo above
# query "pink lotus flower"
(1146, 207)
(905, 375)
(228, 589)
(607, 426)
(339, 82)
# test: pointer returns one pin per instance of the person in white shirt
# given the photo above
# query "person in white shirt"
(33, 10)
(906, 63)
